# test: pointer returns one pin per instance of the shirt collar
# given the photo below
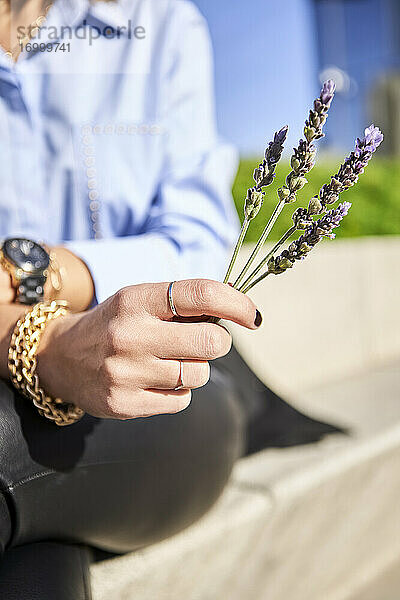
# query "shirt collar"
(113, 13)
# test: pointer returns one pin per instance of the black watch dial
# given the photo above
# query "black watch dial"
(26, 255)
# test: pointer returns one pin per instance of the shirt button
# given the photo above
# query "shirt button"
(93, 195)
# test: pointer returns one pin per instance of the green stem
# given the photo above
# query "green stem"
(261, 241)
(239, 243)
(253, 283)
(267, 257)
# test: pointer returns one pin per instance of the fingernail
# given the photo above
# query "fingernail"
(258, 319)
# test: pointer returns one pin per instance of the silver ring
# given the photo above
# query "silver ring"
(180, 380)
(171, 300)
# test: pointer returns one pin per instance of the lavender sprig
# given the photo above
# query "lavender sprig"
(302, 162)
(265, 172)
(351, 169)
(346, 177)
(298, 249)
(263, 176)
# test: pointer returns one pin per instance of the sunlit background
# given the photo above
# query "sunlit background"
(270, 58)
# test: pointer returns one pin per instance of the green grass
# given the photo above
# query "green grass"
(375, 198)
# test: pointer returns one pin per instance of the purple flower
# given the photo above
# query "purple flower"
(316, 231)
(319, 113)
(280, 136)
(373, 137)
(265, 172)
(352, 167)
(327, 92)
(324, 226)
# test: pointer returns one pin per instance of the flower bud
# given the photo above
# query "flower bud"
(257, 176)
(301, 219)
(295, 163)
(336, 186)
(253, 203)
(315, 120)
(309, 133)
(332, 198)
(296, 183)
(283, 193)
(285, 263)
(271, 264)
(290, 199)
(314, 206)
(304, 248)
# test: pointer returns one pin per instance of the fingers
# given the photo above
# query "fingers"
(192, 341)
(146, 403)
(168, 374)
(158, 402)
(196, 297)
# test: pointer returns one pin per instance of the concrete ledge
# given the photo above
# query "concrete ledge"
(333, 315)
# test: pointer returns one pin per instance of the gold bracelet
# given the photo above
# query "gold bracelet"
(22, 362)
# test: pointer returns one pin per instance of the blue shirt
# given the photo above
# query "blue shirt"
(110, 145)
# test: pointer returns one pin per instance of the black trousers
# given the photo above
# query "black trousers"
(120, 485)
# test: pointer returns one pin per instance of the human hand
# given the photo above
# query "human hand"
(121, 359)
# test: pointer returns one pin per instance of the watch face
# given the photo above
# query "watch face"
(26, 255)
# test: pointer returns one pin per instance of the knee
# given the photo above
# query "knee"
(186, 463)
(209, 440)
(221, 425)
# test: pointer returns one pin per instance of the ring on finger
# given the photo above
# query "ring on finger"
(180, 380)
(171, 300)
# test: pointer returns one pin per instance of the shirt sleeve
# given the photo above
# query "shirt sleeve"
(192, 223)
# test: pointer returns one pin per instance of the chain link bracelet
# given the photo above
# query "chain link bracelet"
(22, 362)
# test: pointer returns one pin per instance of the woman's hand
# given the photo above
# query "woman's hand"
(121, 359)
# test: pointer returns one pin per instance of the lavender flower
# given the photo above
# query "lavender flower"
(351, 169)
(263, 176)
(303, 158)
(301, 218)
(373, 137)
(253, 203)
(302, 161)
(317, 117)
(298, 249)
(327, 92)
(265, 172)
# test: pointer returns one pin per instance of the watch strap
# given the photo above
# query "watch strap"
(31, 289)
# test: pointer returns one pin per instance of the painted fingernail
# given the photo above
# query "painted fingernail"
(258, 319)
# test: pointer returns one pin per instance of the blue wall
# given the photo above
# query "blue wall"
(266, 67)
(271, 54)
(361, 38)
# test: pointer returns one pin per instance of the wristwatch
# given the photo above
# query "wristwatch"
(28, 263)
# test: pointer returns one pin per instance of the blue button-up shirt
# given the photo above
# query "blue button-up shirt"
(110, 145)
